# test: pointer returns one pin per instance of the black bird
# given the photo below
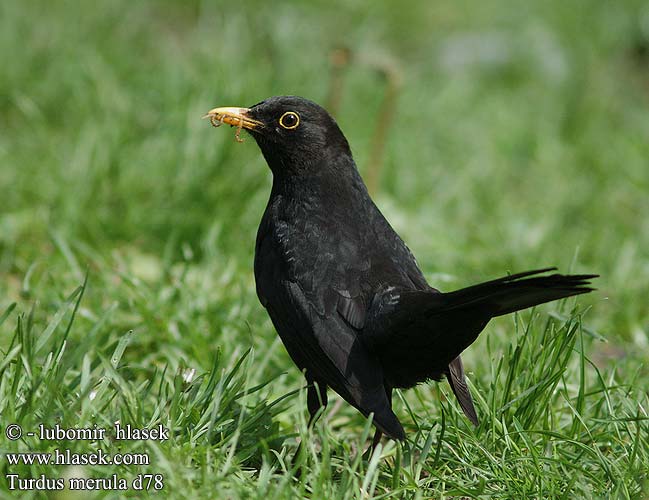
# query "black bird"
(341, 287)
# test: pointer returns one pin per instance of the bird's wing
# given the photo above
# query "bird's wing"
(332, 352)
(352, 309)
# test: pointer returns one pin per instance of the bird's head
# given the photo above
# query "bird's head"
(294, 134)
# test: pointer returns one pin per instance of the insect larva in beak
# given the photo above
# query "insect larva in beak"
(237, 134)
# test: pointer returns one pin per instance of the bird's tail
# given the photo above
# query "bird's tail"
(495, 298)
(427, 331)
(518, 291)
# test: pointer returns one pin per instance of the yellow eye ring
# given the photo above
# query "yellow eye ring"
(290, 120)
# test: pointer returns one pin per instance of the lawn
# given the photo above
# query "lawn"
(496, 137)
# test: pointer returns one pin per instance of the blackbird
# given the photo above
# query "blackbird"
(343, 290)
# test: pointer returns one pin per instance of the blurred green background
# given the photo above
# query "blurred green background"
(519, 139)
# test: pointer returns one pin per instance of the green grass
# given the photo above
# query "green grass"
(127, 230)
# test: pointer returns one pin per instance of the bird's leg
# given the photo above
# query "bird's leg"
(316, 398)
(375, 442)
(377, 439)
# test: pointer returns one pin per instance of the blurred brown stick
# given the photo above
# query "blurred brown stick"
(390, 72)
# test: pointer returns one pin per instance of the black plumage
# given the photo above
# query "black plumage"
(343, 290)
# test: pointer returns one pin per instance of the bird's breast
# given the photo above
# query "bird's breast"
(307, 245)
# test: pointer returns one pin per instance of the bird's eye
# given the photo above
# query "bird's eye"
(289, 120)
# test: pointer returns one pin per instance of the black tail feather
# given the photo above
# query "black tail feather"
(519, 291)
